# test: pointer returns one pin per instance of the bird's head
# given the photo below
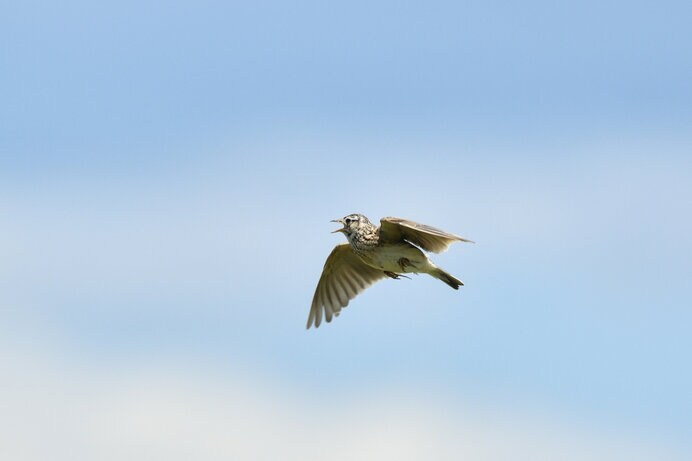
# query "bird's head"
(351, 223)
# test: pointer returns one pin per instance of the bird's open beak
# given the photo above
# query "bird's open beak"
(342, 223)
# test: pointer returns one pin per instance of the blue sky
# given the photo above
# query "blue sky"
(168, 172)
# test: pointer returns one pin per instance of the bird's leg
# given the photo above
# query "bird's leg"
(395, 276)
(403, 262)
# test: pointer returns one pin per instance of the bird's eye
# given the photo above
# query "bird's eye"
(347, 220)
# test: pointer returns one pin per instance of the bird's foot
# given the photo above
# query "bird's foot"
(403, 263)
(396, 276)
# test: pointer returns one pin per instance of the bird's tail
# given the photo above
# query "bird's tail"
(447, 278)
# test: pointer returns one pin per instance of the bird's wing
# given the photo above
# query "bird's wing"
(344, 276)
(427, 237)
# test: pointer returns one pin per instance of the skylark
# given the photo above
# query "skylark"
(373, 253)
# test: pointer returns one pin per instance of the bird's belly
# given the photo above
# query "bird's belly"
(396, 258)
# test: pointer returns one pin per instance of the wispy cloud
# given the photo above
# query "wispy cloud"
(554, 310)
(59, 409)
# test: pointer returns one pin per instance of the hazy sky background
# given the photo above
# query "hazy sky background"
(167, 176)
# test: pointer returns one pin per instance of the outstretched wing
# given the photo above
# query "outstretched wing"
(394, 230)
(344, 277)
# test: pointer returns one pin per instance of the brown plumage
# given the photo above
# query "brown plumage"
(373, 254)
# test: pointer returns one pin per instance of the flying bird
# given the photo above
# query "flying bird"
(373, 253)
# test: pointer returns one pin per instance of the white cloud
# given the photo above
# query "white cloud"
(54, 409)
(90, 247)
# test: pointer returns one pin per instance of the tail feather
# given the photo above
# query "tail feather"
(447, 278)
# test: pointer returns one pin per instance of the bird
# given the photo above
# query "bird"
(372, 254)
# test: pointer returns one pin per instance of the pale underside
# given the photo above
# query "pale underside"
(397, 258)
